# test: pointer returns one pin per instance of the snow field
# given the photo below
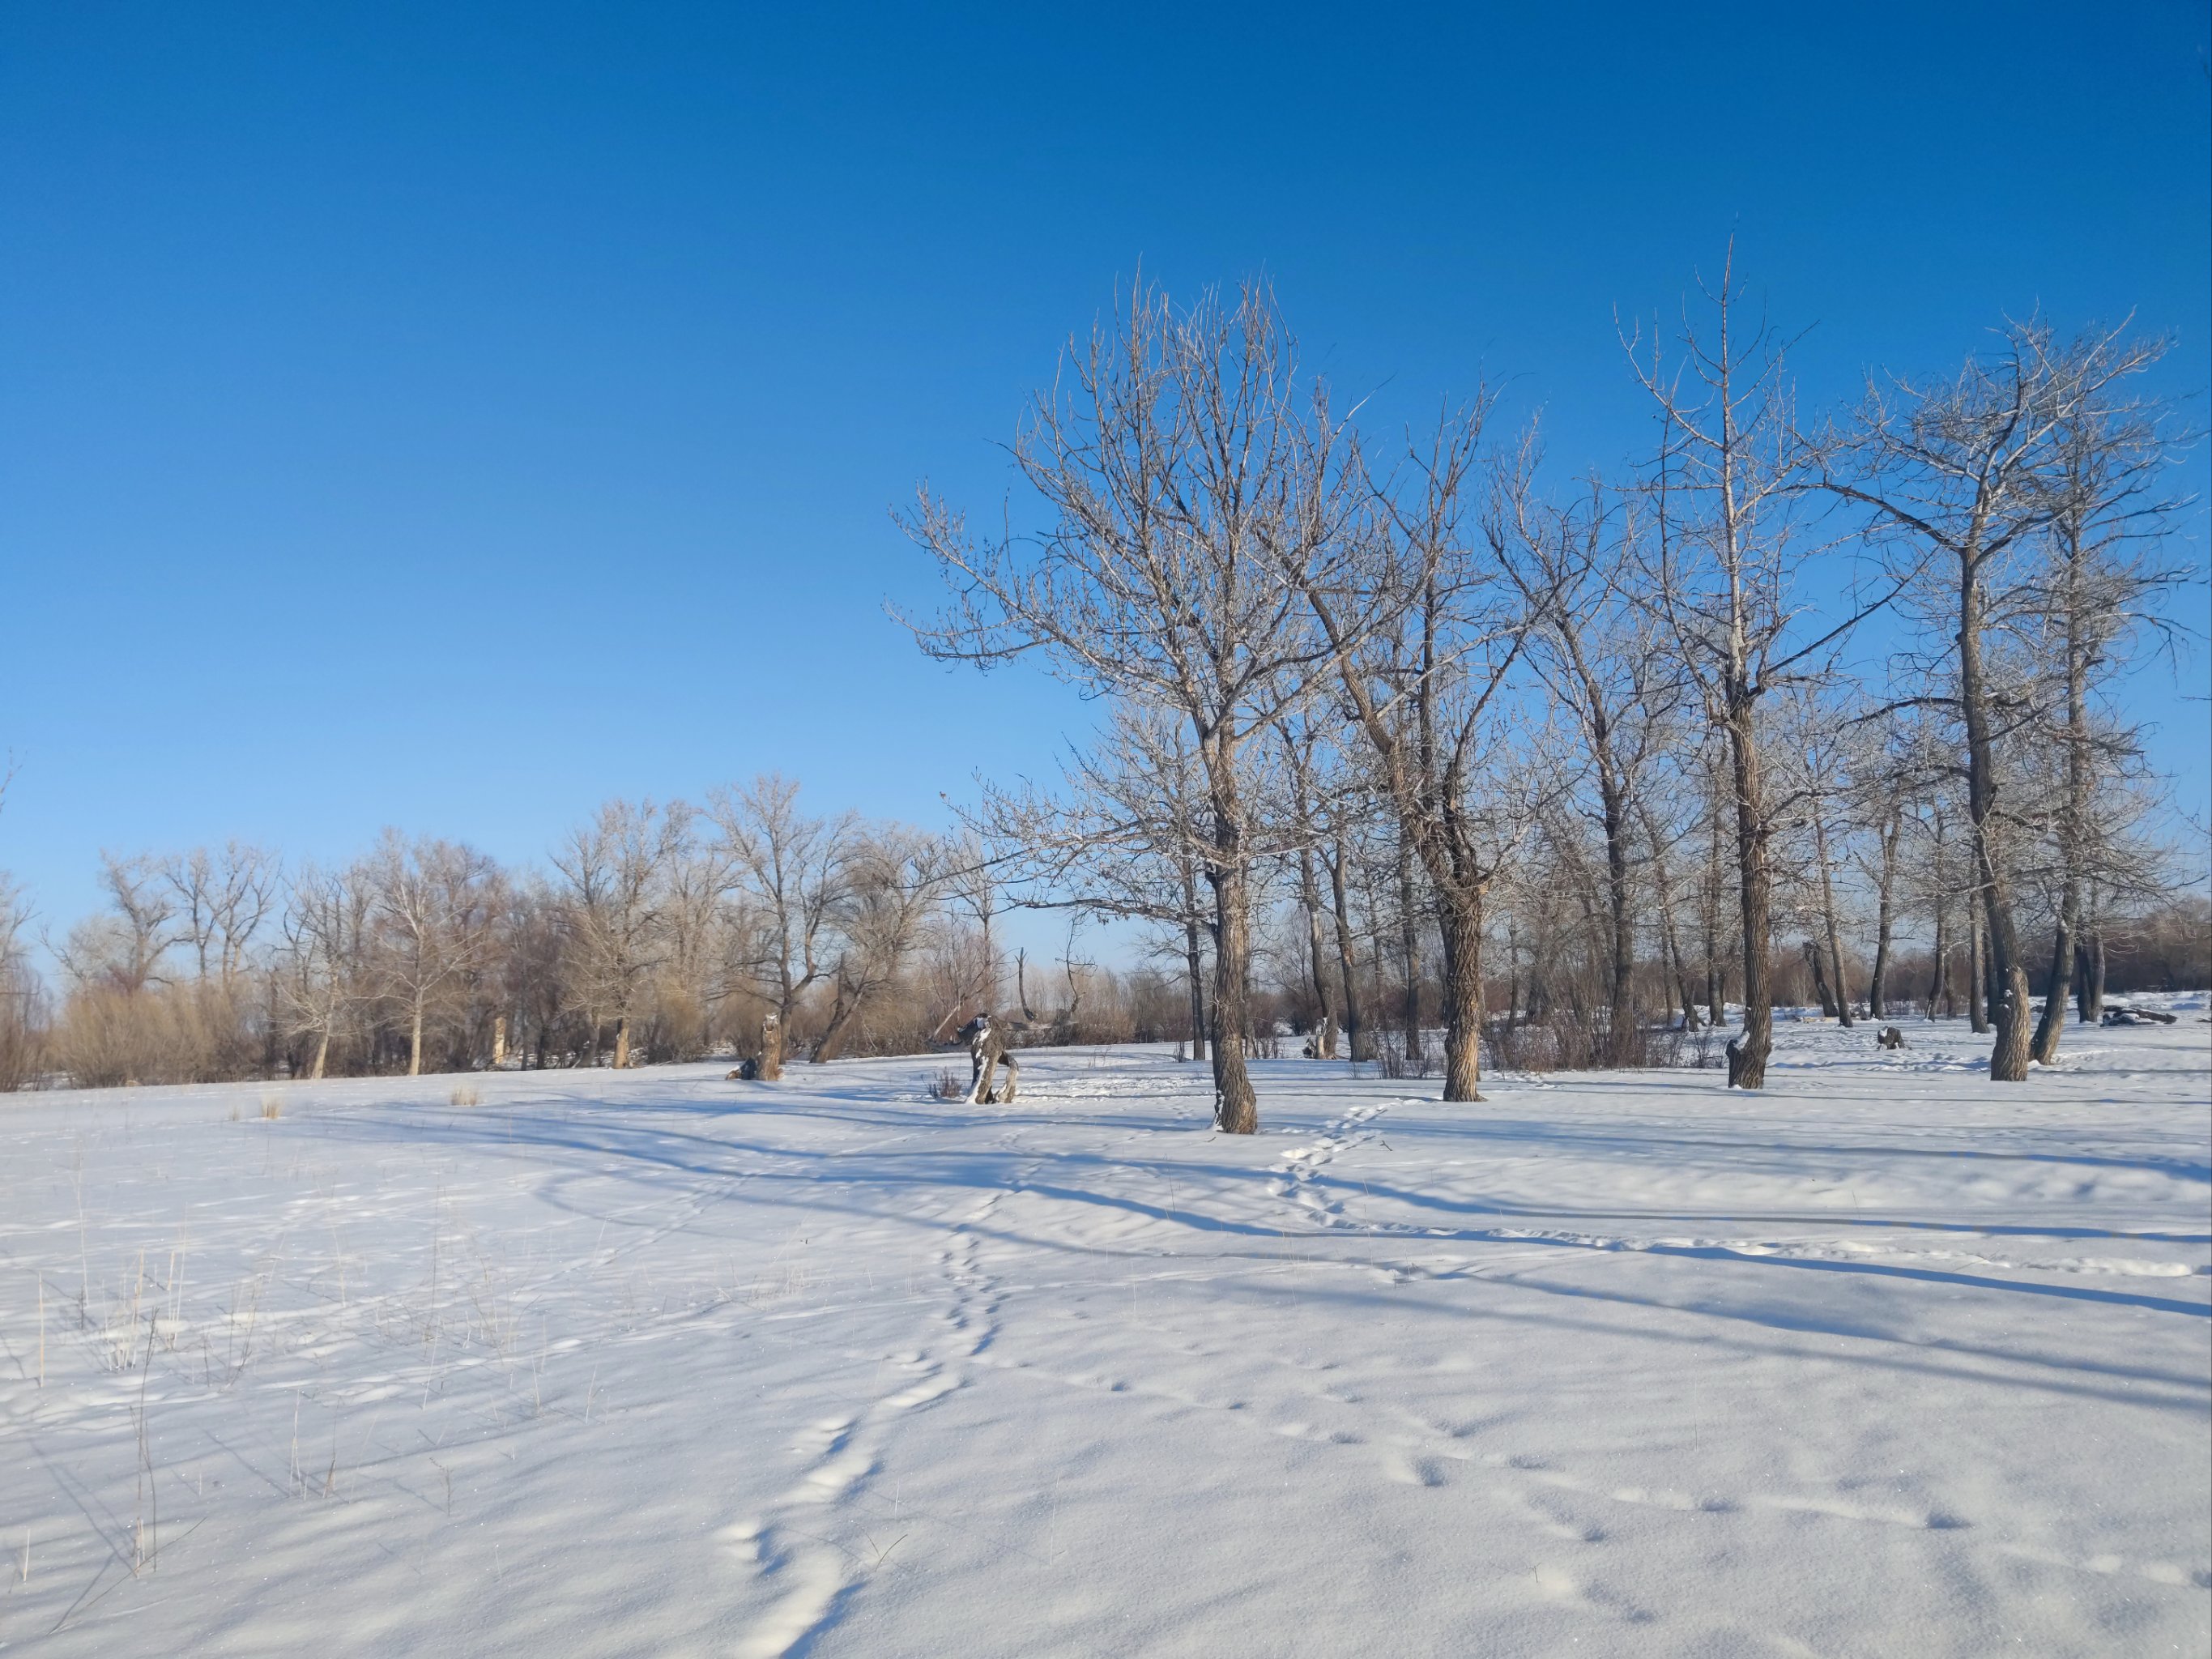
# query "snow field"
(1883, 1360)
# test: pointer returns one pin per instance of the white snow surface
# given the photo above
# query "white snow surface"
(1884, 1360)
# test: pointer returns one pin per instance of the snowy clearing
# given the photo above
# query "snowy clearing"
(1884, 1361)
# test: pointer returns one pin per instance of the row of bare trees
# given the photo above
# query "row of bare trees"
(1784, 668)
(659, 930)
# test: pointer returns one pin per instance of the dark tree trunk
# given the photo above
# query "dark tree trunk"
(1709, 904)
(2093, 978)
(1409, 959)
(1878, 982)
(1347, 961)
(1938, 979)
(1816, 960)
(1460, 917)
(2007, 975)
(1842, 1010)
(1978, 1006)
(1310, 898)
(1236, 1108)
(1194, 965)
(1747, 1053)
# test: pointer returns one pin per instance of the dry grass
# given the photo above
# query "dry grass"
(272, 1107)
(466, 1095)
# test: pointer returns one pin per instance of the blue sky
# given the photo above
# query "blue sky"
(454, 416)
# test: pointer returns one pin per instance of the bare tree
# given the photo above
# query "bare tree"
(322, 979)
(892, 880)
(1183, 468)
(1718, 572)
(793, 866)
(1600, 659)
(124, 950)
(2099, 589)
(615, 868)
(433, 903)
(1962, 474)
(223, 899)
(1425, 632)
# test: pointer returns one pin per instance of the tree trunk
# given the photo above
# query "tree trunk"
(2045, 1044)
(1878, 985)
(1816, 960)
(322, 1053)
(1409, 947)
(2008, 976)
(1977, 1005)
(499, 1041)
(2093, 978)
(1939, 979)
(414, 1041)
(770, 1067)
(1347, 961)
(1236, 1109)
(1835, 942)
(1747, 1053)
(1309, 897)
(1194, 958)
(1669, 939)
(621, 1043)
(1710, 907)
(1622, 939)
(1461, 918)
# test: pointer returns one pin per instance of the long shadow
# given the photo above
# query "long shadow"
(1420, 1200)
(1886, 1361)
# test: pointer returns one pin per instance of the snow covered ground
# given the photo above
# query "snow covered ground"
(1883, 1361)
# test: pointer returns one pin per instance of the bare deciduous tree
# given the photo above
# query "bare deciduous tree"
(1184, 468)
(1965, 474)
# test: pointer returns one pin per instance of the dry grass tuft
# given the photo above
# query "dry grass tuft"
(272, 1107)
(465, 1095)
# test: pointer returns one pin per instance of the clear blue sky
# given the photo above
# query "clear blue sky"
(450, 415)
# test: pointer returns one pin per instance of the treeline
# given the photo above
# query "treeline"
(1407, 748)
(657, 932)
(1797, 696)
